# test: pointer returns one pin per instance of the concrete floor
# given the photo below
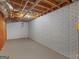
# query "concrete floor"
(28, 49)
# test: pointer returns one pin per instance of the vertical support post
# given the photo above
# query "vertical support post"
(2, 31)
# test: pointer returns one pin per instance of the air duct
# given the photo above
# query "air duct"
(5, 8)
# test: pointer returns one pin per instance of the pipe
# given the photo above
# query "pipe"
(5, 8)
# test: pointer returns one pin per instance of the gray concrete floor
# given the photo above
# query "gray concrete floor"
(28, 49)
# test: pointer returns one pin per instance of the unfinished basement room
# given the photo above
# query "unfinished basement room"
(39, 29)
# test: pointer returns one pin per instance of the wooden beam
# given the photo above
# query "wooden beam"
(43, 6)
(59, 5)
(22, 6)
(50, 3)
(67, 1)
(25, 5)
(64, 2)
(49, 10)
(38, 10)
(21, 3)
(40, 6)
(36, 3)
(16, 3)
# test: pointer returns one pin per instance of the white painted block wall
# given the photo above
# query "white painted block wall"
(56, 30)
(17, 30)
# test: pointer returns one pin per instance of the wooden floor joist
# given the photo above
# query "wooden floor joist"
(40, 6)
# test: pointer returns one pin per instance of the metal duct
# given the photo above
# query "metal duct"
(5, 8)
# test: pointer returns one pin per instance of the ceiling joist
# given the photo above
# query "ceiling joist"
(50, 3)
(39, 6)
(25, 5)
(13, 2)
(36, 3)
(68, 1)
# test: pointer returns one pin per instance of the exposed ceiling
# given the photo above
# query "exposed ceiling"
(26, 10)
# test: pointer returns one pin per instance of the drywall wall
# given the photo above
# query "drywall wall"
(56, 30)
(17, 30)
(74, 14)
(51, 30)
